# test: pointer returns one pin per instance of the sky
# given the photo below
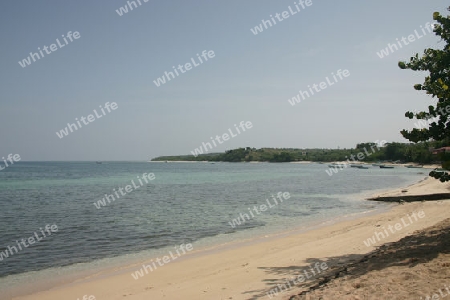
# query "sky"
(250, 77)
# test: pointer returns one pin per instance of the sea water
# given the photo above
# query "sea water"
(185, 203)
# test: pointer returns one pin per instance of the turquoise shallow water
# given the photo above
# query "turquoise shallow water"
(186, 203)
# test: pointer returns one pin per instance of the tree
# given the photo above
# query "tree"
(362, 146)
(436, 84)
(282, 157)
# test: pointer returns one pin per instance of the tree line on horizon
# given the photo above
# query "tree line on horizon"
(420, 153)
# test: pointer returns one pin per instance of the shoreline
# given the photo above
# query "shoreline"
(428, 189)
(214, 260)
(116, 268)
(424, 166)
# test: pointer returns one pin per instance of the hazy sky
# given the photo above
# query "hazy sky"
(117, 58)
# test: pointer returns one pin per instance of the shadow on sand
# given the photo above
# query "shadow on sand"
(420, 247)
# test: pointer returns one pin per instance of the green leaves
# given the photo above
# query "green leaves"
(409, 114)
(437, 63)
(436, 15)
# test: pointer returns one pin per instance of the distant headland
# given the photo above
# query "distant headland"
(399, 152)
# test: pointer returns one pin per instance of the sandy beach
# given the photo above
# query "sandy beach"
(291, 263)
(292, 163)
(423, 187)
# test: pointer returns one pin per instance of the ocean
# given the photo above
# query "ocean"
(185, 203)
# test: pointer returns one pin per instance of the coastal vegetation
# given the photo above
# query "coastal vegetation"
(436, 63)
(420, 153)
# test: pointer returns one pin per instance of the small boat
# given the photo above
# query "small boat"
(98, 162)
(340, 166)
(413, 167)
(386, 167)
(355, 166)
(362, 167)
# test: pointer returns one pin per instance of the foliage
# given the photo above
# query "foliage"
(436, 84)
(419, 153)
